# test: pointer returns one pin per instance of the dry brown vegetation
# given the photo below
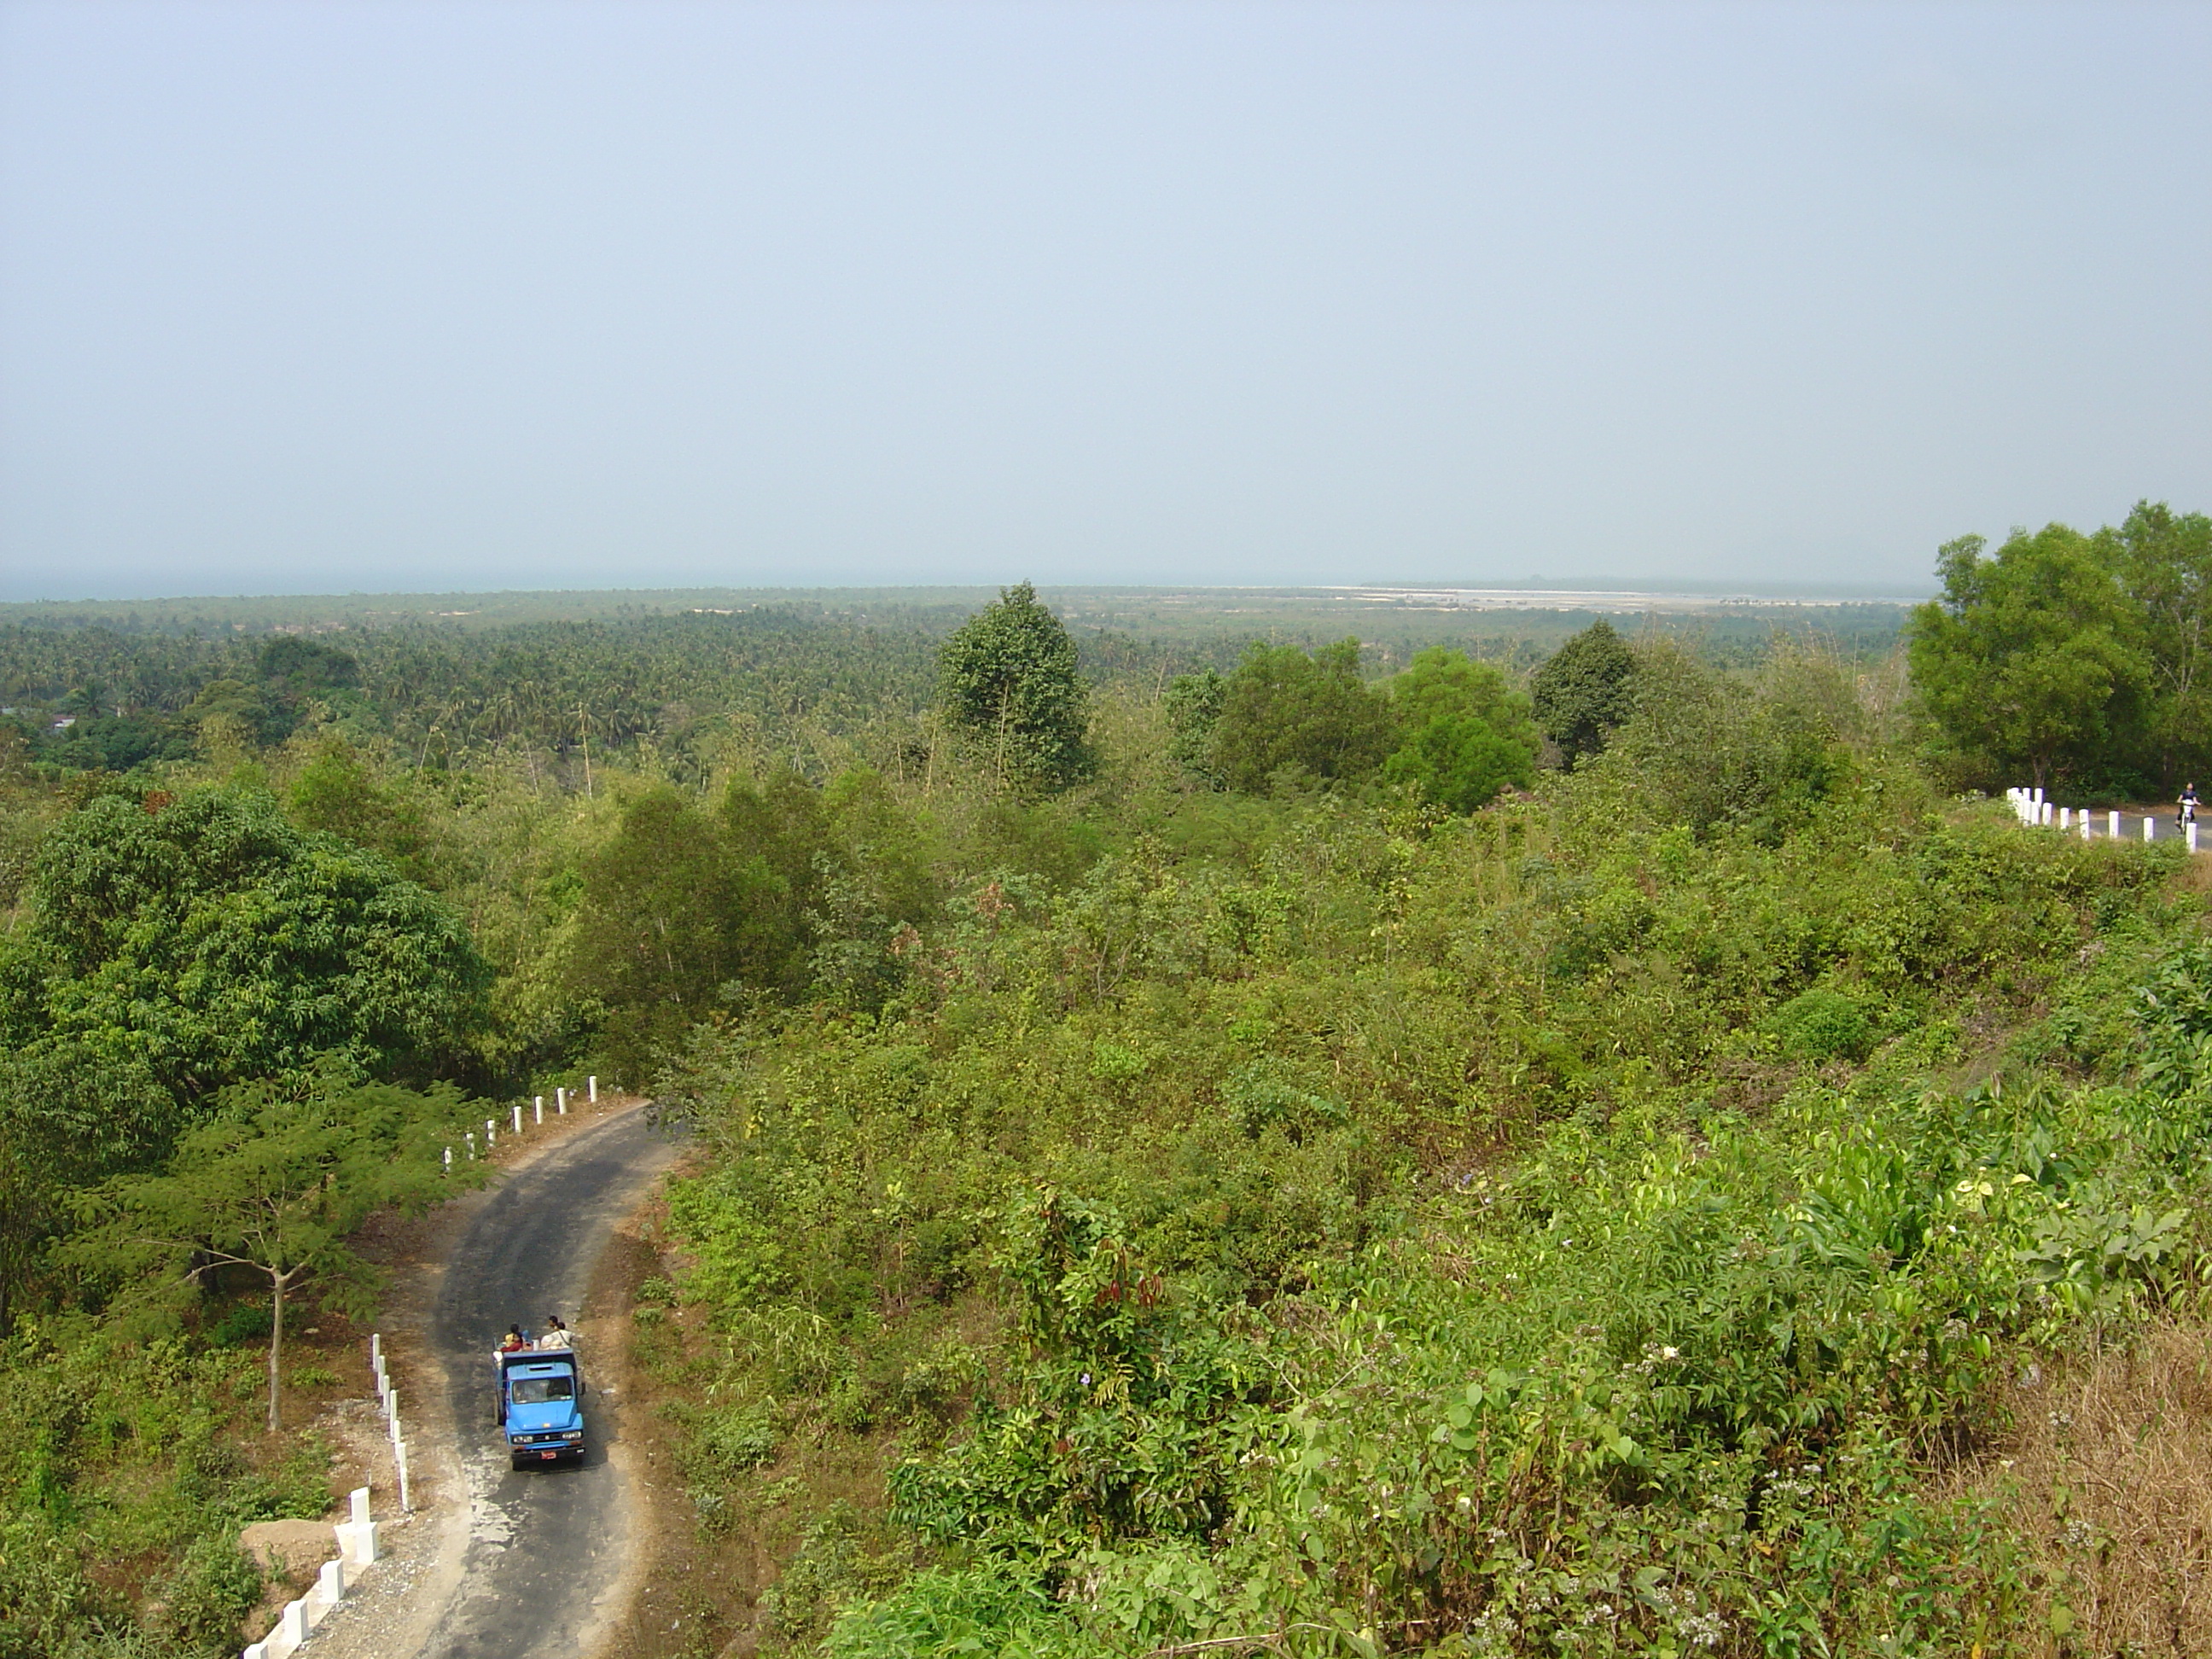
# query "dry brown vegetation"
(2108, 1483)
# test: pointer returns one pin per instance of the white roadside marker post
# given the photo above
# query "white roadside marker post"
(561, 1095)
(593, 1081)
(2115, 830)
(470, 1137)
(357, 1533)
(2192, 834)
(491, 1134)
(537, 1105)
(2150, 827)
(518, 1117)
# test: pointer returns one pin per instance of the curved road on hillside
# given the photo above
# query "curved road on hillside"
(545, 1546)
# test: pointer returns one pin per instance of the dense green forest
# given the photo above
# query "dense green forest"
(1201, 1145)
(692, 682)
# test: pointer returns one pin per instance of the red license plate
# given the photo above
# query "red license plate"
(548, 1455)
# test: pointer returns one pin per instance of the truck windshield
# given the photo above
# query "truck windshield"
(537, 1390)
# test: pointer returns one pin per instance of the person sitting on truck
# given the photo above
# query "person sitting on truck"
(557, 1335)
(515, 1341)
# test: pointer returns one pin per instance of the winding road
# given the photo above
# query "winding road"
(546, 1548)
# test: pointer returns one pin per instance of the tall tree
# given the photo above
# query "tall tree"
(205, 941)
(1467, 733)
(69, 1115)
(31, 1191)
(1285, 712)
(2167, 560)
(1192, 703)
(677, 909)
(1584, 689)
(2033, 661)
(276, 1184)
(1008, 680)
(340, 793)
(302, 668)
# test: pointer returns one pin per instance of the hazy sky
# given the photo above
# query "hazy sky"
(314, 297)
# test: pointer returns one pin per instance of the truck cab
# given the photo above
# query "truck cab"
(541, 1406)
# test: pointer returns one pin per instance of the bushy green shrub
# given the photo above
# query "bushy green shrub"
(1466, 733)
(1286, 1345)
(830, 1569)
(1819, 1026)
(243, 1324)
(736, 1437)
(940, 1615)
(206, 1598)
(44, 1600)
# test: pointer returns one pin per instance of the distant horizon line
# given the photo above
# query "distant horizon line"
(1586, 587)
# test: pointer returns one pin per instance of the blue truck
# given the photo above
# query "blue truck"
(541, 1406)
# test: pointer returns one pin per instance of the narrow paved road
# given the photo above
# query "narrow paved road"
(545, 1546)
